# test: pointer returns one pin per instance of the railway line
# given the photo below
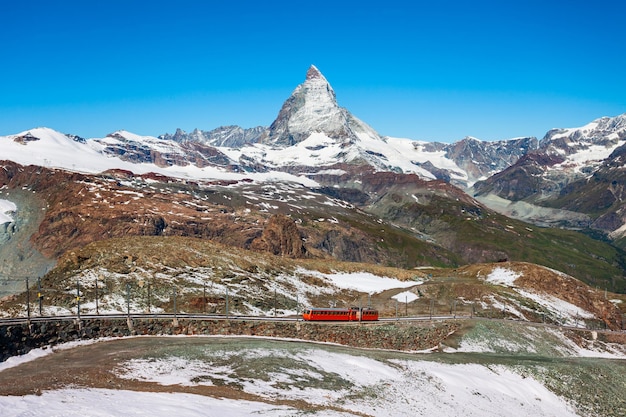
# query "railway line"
(294, 319)
(181, 316)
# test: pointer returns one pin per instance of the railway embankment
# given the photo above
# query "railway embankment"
(18, 339)
(409, 336)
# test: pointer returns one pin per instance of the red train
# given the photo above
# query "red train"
(340, 314)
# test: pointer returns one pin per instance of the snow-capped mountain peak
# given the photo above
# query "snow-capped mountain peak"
(605, 131)
(313, 72)
(586, 146)
(312, 108)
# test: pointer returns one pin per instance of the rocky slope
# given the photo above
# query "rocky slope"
(318, 183)
(223, 136)
(203, 274)
(574, 170)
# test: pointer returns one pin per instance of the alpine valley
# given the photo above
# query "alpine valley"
(320, 183)
(318, 209)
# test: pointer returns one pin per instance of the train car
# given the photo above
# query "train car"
(340, 314)
(369, 314)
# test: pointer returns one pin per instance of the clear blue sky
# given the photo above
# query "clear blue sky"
(432, 70)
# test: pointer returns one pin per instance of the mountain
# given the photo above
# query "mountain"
(346, 192)
(574, 179)
(319, 209)
(312, 108)
(311, 130)
(226, 136)
(480, 159)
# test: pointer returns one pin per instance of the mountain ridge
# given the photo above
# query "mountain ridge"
(417, 190)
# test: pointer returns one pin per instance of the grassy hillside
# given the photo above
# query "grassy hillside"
(167, 274)
(481, 235)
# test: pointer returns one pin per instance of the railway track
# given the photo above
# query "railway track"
(183, 316)
(172, 316)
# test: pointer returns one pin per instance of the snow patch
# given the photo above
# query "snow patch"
(364, 281)
(405, 297)
(502, 276)
(6, 208)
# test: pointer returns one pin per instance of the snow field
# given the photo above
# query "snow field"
(370, 386)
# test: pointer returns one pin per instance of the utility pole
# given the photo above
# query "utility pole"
(226, 302)
(39, 296)
(128, 299)
(97, 311)
(149, 303)
(175, 309)
(27, 301)
(406, 306)
(78, 298)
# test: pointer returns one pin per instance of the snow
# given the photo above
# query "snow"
(403, 387)
(104, 403)
(405, 297)
(604, 350)
(363, 281)
(502, 276)
(569, 131)
(319, 120)
(566, 312)
(591, 153)
(319, 150)
(6, 207)
(582, 146)
(56, 150)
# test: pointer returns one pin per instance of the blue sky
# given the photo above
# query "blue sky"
(434, 70)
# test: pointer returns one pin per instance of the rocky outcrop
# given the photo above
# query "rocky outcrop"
(480, 159)
(227, 136)
(280, 237)
(80, 209)
(161, 152)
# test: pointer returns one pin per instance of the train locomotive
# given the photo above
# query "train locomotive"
(340, 314)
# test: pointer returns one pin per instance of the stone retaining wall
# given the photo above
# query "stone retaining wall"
(19, 339)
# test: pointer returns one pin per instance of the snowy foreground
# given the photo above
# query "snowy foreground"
(292, 378)
(333, 382)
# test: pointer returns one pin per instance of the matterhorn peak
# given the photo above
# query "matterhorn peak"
(313, 72)
(312, 108)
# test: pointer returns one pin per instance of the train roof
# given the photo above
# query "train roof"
(337, 308)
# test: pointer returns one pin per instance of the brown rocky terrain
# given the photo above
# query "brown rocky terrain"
(386, 219)
(541, 280)
(80, 209)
